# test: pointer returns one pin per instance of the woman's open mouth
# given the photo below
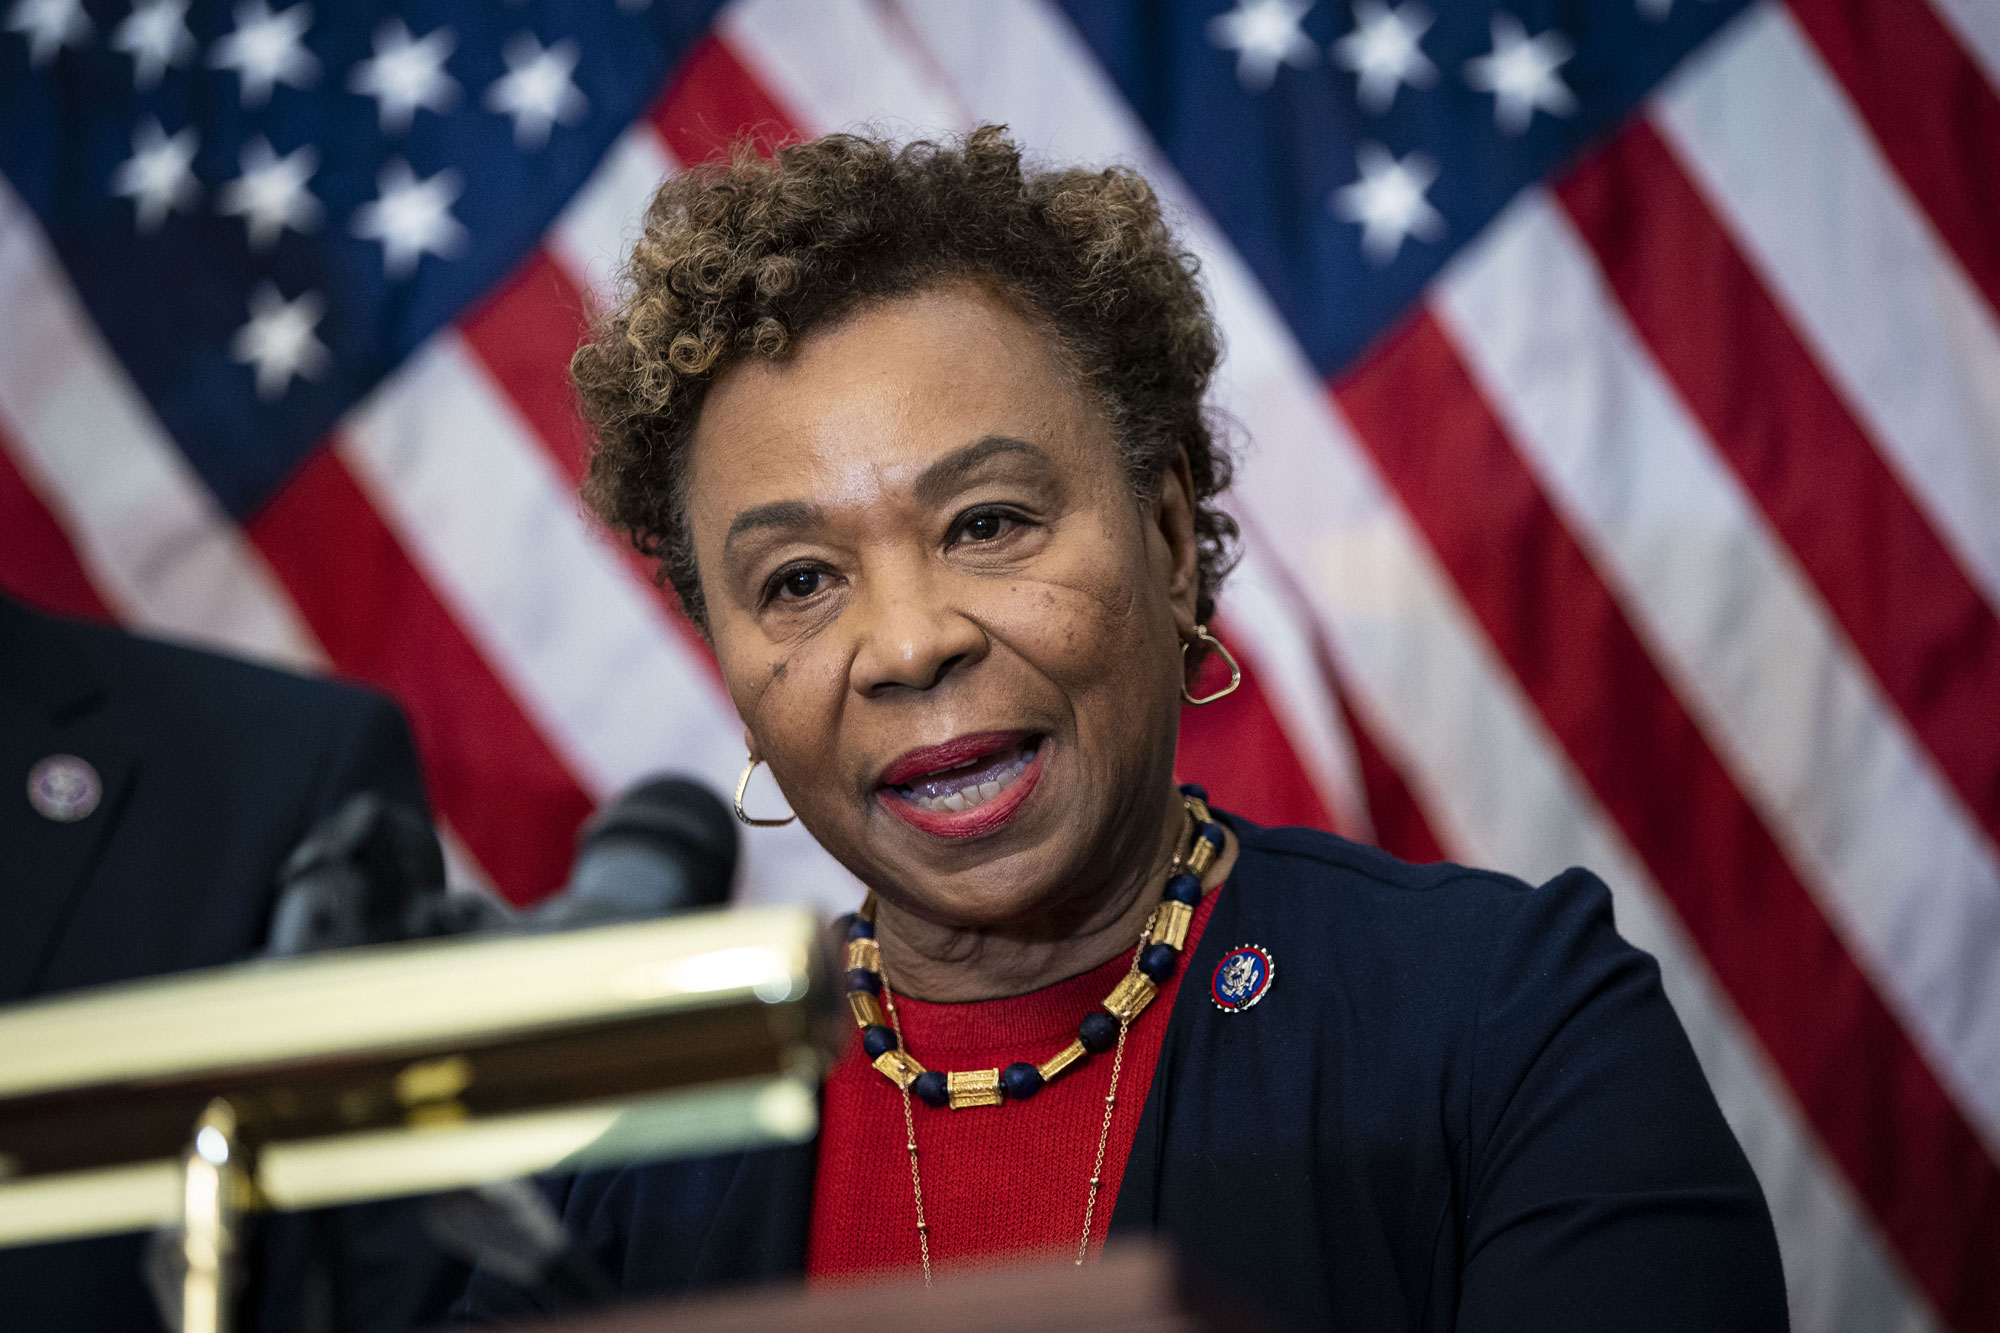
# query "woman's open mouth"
(965, 787)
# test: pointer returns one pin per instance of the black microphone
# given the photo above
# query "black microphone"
(359, 877)
(373, 872)
(665, 846)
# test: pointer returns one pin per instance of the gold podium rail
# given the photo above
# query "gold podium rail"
(404, 1069)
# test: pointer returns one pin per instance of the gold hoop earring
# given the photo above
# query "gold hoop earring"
(1202, 635)
(743, 785)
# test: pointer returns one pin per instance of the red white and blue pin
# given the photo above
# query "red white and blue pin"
(1242, 978)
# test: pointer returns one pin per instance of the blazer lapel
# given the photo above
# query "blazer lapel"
(50, 704)
(1137, 1211)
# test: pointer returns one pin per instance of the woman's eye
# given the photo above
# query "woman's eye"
(799, 583)
(983, 527)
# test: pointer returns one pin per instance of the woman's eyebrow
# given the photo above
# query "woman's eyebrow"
(777, 514)
(944, 477)
(935, 484)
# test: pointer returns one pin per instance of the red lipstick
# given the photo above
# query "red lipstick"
(921, 785)
(954, 753)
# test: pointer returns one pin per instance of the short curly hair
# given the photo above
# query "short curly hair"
(742, 258)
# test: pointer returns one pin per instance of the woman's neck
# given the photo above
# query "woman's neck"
(955, 965)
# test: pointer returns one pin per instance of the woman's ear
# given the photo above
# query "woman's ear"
(1173, 511)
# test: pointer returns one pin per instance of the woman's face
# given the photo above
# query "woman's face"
(950, 628)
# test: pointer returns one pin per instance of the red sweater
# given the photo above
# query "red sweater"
(998, 1180)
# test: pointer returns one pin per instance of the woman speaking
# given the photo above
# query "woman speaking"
(919, 438)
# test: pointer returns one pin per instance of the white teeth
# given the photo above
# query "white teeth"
(968, 797)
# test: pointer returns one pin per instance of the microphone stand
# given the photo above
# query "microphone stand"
(217, 1178)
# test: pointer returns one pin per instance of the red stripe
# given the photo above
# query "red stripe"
(493, 776)
(523, 333)
(1933, 112)
(1400, 825)
(1884, 1117)
(37, 563)
(1237, 749)
(713, 102)
(1929, 636)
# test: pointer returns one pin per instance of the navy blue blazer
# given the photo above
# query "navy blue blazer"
(211, 771)
(1464, 1103)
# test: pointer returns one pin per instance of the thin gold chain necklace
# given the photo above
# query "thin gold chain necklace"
(873, 1000)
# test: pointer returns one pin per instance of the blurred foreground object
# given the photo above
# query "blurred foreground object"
(400, 1069)
(1133, 1288)
(373, 873)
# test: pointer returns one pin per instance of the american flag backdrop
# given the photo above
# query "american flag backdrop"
(1618, 385)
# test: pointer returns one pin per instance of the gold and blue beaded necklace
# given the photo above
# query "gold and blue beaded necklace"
(1103, 1029)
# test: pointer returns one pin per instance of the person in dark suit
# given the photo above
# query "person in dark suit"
(149, 794)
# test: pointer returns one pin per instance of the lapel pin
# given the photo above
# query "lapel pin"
(64, 788)
(1241, 978)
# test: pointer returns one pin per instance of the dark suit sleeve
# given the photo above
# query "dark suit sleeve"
(372, 752)
(342, 740)
(1605, 1189)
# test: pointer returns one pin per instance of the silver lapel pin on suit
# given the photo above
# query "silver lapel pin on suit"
(64, 788)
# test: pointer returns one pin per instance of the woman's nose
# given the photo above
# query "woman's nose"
(912, 637)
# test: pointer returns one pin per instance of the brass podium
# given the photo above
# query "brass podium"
(404, 1069)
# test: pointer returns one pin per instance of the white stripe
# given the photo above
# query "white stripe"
(593, 236)
(1977, 24)
(1279, 651)
(1496, 786)
(157, 545)
(1795, 175)
(1885, 847)
(589, 652)
(836, 68)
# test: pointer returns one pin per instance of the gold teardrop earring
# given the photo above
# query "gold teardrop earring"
(1202, 635)
(743, 785)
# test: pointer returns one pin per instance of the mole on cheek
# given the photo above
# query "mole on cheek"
(778, 670)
